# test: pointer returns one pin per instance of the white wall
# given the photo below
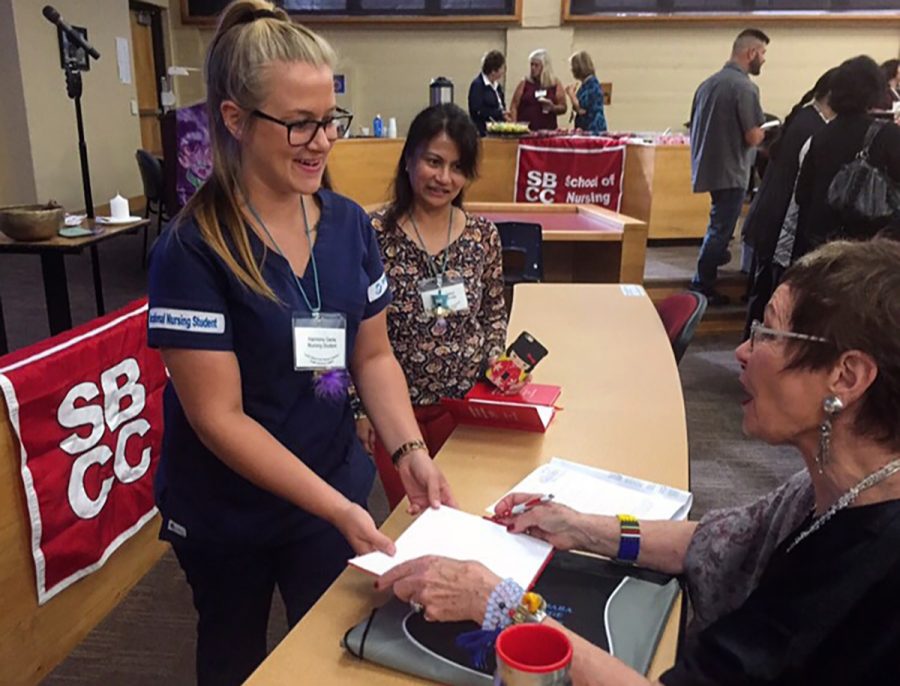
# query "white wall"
(111, 131)
(16, 169)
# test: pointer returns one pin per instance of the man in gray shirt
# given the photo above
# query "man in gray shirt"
(725, 128)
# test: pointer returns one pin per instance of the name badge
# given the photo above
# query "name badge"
(442, 296)
(320, 343)
(542, 93)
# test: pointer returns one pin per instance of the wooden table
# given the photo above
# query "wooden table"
(623, 411)
(582, 243)
(53, 268)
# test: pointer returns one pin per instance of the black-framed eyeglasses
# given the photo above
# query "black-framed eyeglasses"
(758, 332)
(302, 131)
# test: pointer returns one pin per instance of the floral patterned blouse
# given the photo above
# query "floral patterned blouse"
(444, 364)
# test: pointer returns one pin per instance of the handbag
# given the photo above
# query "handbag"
(860, 191)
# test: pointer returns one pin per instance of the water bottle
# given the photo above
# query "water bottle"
(378, 126)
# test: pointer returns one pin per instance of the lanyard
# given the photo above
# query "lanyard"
(312, 257)
(431, 265)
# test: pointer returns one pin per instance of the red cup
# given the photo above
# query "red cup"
(533, 654)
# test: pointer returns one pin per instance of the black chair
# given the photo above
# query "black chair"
(151, 170)
(523, 252)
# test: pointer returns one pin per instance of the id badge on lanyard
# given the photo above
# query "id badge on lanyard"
(320, 343)
(441, 296)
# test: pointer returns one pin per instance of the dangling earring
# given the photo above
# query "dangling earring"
(832, 406)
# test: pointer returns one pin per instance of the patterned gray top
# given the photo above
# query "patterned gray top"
(731, 548)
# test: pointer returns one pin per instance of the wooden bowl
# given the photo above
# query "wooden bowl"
(31, 222)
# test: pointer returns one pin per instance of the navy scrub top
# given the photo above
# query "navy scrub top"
(196, 302)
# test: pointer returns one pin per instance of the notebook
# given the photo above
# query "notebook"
(591, 490)
(461, 536)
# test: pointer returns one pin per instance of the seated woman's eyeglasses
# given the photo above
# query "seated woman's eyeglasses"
(758, 333)
(302, 131)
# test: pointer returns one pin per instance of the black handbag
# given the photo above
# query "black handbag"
(860, 191)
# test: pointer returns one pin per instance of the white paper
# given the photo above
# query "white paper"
(461, 536)
(591, 490)
(123, 60)
(632, 290)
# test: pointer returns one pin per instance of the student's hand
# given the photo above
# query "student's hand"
(448, 590)
(366, 433)
(359, 529)
(560, 526)
(424, 483)
(507, 116)
(546, 102)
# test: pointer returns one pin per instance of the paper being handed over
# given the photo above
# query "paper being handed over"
(461, 536)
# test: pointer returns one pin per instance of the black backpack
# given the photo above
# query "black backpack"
(861, 192)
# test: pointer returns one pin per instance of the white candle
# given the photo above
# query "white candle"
(118, 207)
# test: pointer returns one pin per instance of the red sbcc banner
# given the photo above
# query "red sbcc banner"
(86, 408)
(578, 170)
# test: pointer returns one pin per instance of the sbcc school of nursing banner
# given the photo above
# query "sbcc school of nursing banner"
(579, 170)
(86, 408)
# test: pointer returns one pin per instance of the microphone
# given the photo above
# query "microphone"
(53, 17)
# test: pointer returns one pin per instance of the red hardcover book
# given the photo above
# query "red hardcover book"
(483, 407)
(532, 394)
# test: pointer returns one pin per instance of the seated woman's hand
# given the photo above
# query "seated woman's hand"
(424, 483)
(559, 525)
(448, 590)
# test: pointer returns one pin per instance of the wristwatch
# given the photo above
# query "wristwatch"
(532, 609)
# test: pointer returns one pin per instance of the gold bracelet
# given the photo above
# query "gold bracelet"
(408, 447)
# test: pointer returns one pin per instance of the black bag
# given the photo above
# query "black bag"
(861, 192)
(622, 609)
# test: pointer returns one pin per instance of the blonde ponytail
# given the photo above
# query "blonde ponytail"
(251, 34)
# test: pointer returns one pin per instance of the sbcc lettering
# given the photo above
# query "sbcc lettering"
(77, 411)
(541, 187)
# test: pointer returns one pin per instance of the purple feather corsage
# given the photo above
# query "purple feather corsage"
(331, 386)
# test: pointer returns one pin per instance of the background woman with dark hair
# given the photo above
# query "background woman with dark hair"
(856, 88)
(770, 206)
(444, 267)
(486, 99)
(891, 72)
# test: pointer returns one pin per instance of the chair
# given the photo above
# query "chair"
(151, 170)
(523, 254)
(680, 315)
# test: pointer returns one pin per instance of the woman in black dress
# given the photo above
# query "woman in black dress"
(767, 213)
(856, 89)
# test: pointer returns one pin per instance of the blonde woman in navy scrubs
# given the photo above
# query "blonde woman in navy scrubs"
(264, 292)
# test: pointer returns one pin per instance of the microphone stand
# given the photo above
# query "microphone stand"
(73, 90)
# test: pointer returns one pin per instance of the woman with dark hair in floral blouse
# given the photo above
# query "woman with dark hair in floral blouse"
(448, 315)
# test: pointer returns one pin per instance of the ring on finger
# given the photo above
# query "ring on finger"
(416, 607)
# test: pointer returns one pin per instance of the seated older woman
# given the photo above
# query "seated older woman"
(802, 586)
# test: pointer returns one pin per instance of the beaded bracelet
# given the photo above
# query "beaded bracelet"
(504, 599)
(629, 538)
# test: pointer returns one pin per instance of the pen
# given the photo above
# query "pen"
(522, 508)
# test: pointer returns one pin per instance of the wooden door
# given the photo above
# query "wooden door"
(145, 80)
